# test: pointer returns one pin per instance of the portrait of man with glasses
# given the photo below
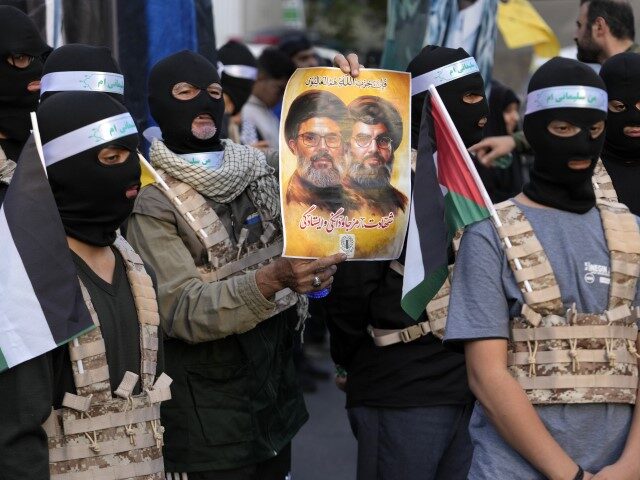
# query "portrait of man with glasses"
(375, 135)
(316, 129)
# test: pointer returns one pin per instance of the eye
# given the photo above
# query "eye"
(113, 156)
(214, 90)
(561, 128)
(20, 60)
(184, 91)
(472, 98)
(616, 106)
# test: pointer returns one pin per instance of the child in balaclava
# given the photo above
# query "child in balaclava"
(89, 144)
(213, 235)
(78, 67)
(542, 303)
(22, 52)
(621, 152)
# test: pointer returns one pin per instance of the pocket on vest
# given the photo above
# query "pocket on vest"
(222, 403)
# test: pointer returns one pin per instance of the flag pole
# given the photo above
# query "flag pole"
(474, 174)
(38, 141)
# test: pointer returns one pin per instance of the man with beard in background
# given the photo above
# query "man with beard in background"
(376, 134)
(315, 129)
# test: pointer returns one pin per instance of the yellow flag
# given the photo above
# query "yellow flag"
(521, 25)
(146, 177)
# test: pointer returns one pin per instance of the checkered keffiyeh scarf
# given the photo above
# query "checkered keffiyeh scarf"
(243, 168)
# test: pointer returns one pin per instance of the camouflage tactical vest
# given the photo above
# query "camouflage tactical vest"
(562, 356)
(96, 435)
(224, 258)
(438, 307)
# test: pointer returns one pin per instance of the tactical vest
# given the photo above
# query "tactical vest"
(562, 356)
(224, 259)
(438, 308)
(96, 435)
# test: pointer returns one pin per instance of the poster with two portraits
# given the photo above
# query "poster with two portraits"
(345, 163)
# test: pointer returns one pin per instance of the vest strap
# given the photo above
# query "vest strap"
(76, 402)
(513, 229)
(78, 452)
(530, 273)
(574, 332)
(247, 261)
(529, 246)
(52, 426)
(131, 470)
(85, 350)
(384, 337)
(544, 295)
(109, 420)
(626, 268)
(397, 267)
(89, 377)
(563, 356)
(128, 383)
(548, 382)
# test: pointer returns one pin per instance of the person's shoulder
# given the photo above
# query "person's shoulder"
(152, 202)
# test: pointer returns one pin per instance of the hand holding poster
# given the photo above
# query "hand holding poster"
(345, 163)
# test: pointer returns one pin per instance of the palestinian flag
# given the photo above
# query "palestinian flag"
(448, 195)
(41, 305)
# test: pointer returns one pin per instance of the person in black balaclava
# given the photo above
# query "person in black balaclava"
(299, 49)
(185, 99)
(78, 67)
(458, 81)
(212, 234)
(92, 200)
(621, 152)
(89, 145)
(556, 179)
(239, 72)
(21, 58)
(534, 298)
(413, 386)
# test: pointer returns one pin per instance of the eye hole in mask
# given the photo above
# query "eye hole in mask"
(561, 128)
(186, 91)
(113, 156)
(617, 106)
(472, 98)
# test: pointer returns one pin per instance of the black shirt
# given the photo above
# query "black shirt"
(416, 374)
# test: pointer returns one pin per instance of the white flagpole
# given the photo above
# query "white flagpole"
(475, 175)
(38, 140)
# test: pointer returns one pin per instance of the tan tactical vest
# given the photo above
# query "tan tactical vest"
(96, 435)
(224, 258)
(438, 307)
(562, 356)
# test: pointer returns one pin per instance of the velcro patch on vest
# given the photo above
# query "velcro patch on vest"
(161, 390)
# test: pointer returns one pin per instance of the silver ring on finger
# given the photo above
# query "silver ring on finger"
(316, 282)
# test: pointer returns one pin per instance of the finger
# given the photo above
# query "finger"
(341, 62)
(481, 145)
(325, 262)
(354, 64)
(491, 156)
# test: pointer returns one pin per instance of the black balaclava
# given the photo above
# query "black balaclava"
(77, 67)
(465, 116)
(275, 63)
(294, 43)
(18, 35)
(621, 153)
(239, 72)
(92, 198)
(564, 89)
(175, 116)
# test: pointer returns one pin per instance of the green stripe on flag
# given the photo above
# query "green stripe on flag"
(3, 362)
(461, 211)
(413, 301)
